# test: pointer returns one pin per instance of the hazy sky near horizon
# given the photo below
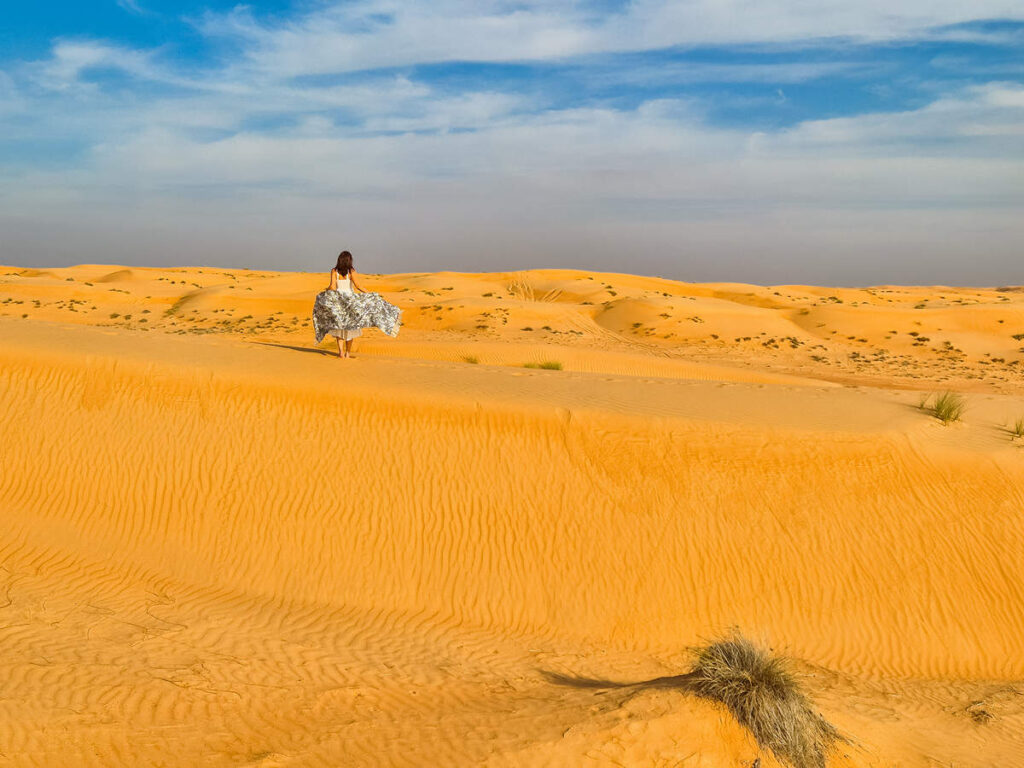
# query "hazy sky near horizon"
(775, 141)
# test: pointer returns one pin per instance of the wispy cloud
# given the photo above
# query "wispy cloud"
(131, 6)
(370, 34)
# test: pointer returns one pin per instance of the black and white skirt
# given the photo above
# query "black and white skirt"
(334, 311)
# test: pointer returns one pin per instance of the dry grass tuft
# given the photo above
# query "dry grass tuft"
(757, 687)
(549, 365)
(1017, 430)
(764, 696)
(946, 407)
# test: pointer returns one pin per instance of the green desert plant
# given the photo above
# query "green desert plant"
(549, 365)
(764, 696)
(948, 406)
(1018, 427)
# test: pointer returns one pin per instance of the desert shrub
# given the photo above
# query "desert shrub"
(1018, 428)
(549, 365)
(947, 407)
(765, 697)
(471, 359)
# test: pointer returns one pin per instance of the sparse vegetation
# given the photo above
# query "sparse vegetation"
(758, 688)
(549, 365)
(765, 697)
(946, 406)
(471, 359)
(1017, 430)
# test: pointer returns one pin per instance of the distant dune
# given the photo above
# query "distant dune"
(221, 545)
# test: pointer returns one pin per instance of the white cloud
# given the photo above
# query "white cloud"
(963, 118)
(71, 58)
(660, 154)
(131, 6)
(369, 34)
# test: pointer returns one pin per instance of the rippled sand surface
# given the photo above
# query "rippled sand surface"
(220, 545)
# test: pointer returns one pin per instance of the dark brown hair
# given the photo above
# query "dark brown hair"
(344, 265)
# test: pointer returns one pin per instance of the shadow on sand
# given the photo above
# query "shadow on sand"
(681, 682)
(313, 350)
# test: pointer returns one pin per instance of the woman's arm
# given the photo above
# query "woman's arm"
(352, 277)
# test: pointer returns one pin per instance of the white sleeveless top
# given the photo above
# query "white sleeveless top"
(344, 284)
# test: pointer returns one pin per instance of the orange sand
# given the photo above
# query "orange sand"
(223, 546)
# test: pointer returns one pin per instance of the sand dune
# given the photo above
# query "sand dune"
(223, 546)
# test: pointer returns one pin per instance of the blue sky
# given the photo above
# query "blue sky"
(776, 141)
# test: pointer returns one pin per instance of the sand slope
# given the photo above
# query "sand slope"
(222, 547)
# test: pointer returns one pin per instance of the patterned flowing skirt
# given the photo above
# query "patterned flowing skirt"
(337, 311)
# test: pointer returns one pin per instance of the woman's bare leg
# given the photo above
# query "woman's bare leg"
(338, 339)
(348, 347)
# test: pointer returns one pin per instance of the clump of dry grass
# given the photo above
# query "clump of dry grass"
(758, 688)
(1017, 430)
(549, 365)
(764, 696)
(946, 407)
(471, 359)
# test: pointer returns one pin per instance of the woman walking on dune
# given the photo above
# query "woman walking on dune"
(341, 312)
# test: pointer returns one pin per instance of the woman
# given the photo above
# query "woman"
(342, 313)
